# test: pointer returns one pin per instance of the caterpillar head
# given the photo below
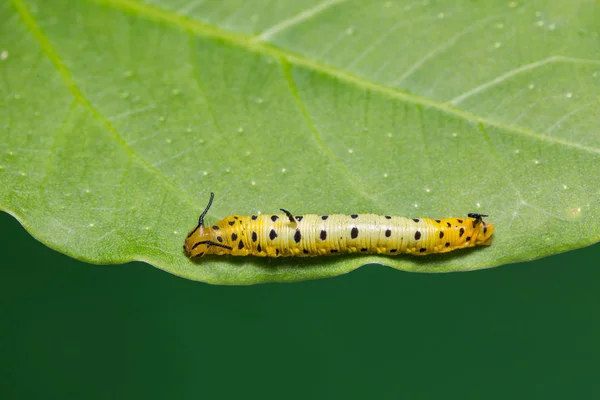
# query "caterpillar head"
(482, 230)
(204, 240)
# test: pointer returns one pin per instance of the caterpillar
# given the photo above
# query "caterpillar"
(281, 235)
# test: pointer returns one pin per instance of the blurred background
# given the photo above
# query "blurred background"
(71, 330)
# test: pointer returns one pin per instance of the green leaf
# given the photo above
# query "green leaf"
(118, 117)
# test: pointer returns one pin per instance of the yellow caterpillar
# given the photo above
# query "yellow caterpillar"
(282, 235)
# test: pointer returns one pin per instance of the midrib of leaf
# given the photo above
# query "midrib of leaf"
(253, 44)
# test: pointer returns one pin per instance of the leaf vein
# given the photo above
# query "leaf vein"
(47, 48)
(297, 19)
(57, 138)
(517, 71)
(317, 136)
(444, 46)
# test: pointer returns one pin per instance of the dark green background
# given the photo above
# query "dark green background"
(73, 330)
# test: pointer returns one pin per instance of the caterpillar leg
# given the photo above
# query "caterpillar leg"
(290, 216)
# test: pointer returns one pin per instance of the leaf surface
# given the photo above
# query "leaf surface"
(119, 117)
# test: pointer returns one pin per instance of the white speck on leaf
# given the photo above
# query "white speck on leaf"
(575, 211)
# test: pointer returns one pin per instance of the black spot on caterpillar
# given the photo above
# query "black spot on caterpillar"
(313, 235)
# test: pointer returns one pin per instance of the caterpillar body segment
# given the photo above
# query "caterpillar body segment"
(283, 235)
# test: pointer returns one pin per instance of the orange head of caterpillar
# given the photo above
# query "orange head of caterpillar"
(482, 231)
(204, 240)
